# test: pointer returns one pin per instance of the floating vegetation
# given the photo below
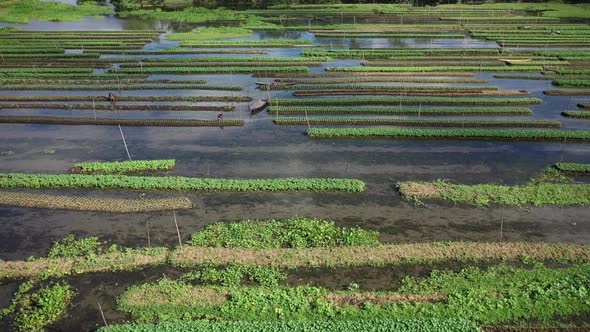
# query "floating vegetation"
(388, 35)
(411, 92)
(34, 311)
(20, 180)
(536, 194)
(194, 99)
(406, 101)
(317, 87)
(576, 92)
(78, 203)
(119, 107)
(577, 114)
(414, 111)
(437, 69)
(573, 168)
(50, 120)
(417, 122)
(572, 83)
(504, 134)
(250, 43)
(102, 87)
(197, 70)
(383, 79)
(215, 59)
(123, 167)
(348, 75)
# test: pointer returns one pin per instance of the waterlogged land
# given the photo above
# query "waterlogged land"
(449, 145)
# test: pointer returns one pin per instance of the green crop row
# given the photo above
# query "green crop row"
(192, 70)
(19, 180)
(405, 101)
(384, 53)
(96, 87)
(536, 194)
(249, 43)
(573, 168)
(385, 79)
(122, 167)
(574, 83)
(577, 114)
(291, 233)
(73, 121)
(42, 55)
(218, 64)
(4, 51)
(239, 59)
(177, 50)
(415, 111)
(30, 75)
(317, 87)
(438, 69)
(573, 71)
(417, 122)
(388, 35)
(193, 99)
(373, 325)
(45, 70)
(395, 133)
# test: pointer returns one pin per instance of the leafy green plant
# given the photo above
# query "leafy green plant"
(573, 168)
(71, 247)
(265, 276)
(291, 233)
(37, 310)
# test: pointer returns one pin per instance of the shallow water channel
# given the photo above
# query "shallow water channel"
(261, 149)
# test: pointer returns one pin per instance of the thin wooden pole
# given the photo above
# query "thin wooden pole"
(103, 317)
(147, 229)
(125, 143)
(177, 230)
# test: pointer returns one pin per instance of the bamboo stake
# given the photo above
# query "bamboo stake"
(103, 317)
(177, 230)
(125, 143)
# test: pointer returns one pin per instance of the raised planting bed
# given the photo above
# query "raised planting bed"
(437, 69)
(399, 325)
(391, 92)
(485, 194)
(119, 107)
(178, 51)
(577, 114)
(46, 70)
(385, 53)
(405, 101)
(250, 43)
(500, 134)
(239, 59)
(348, 75)
(115, 87)
(574, 168)
(523, 77)
(572, 83)
(316, 87)
(47, 56)
(20, 180)
(388, 35)
(194, 99)
(123, 167)
(413, 111)
(70, 76)
(102, 204)
(121, 122)
(193, 70)
(432, 80)
(417, 122)
(576, 92)
(221, 64)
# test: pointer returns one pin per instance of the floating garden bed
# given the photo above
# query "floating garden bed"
(392, 92)
(119, 107)
(503, 134)
(574, 168)
(193, 70)
(414, 111)
(576, 92)
(348, 75)
(432, 80)
(250, 43)
(406, 101)
(78, 203)
(123, 167)
(417, 122)
(577, 114)
(194, 99)
(317, 87)
(572, 83)
(115, 87)
(49, 120)
(19, 180)
(437, 69)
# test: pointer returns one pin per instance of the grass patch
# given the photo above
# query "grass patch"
(24, 10)
(573, 168)
(20, 180)
(210, 33)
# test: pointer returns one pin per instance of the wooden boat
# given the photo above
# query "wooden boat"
(259, 105)
(515, 60)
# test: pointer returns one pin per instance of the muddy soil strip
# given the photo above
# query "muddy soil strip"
(77, 203)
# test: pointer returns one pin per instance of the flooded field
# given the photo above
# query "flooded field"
(257, 148)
